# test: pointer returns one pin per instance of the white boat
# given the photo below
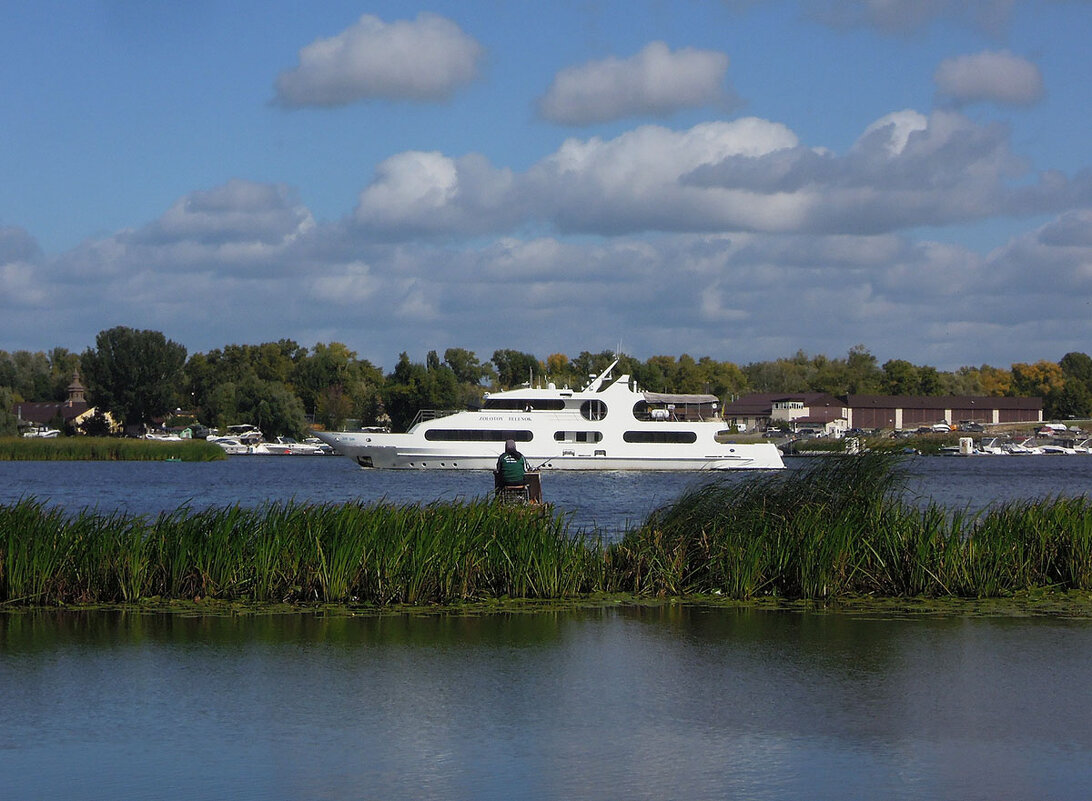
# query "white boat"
(607, 425)
(287, 446)
(993, 446)
(1055, 448)
(246, 433)
(231, 445)
(1025, 448)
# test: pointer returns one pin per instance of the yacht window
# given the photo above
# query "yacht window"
(678, 437)
(475, 435)
(593, 410)
(578, 436)
(521, 404)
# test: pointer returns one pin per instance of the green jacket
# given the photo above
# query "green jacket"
(511, 468)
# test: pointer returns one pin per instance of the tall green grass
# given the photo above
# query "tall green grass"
(19, 449)
(841, 527)
(375, 554)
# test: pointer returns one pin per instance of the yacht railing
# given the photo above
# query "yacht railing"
(432, 414)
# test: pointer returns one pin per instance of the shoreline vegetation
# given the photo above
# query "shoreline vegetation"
(108, 449)
(836, 531)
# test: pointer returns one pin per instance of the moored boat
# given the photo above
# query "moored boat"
(608, 425)
(288, 446)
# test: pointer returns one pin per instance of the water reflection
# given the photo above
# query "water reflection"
(608, 502)
(653, 702)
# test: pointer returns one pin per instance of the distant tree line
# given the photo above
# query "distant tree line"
(283, 387)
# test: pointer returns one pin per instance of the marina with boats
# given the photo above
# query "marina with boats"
(245, 439)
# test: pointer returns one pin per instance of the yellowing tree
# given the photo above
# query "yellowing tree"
(1037, 380)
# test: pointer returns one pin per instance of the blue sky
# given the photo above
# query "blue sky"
(741, 179)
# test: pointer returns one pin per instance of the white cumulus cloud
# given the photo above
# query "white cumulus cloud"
(990, 76)
(347, 285)
(425, 59)
(236, 212)
(655, 81)
(429, 193)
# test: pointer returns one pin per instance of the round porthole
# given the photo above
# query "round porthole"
(593, 410)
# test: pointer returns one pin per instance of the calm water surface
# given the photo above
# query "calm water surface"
(619, 703)
(624, 703)
(609, 501)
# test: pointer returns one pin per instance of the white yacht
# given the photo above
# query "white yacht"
(288, 446)
(607, 425)
(231, 445)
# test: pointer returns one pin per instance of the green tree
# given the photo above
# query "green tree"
(964, 381)
(333, 406)
(723, 379)
(514, 368)
(688, 377)
(1073, 400)
(220, 408)
(465, 365)
(900, 377)
(8, 425)
(28, 375)
(864, 376)
(1077, 365)
(134, 374)
(405, 392)
(63, 364)
(828, 375)
(588, 364)
(650, 375)
(929, 382)
(199, 379)
(269, 405)
(326, 366)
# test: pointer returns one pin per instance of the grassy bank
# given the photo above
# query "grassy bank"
(113, 449)
(838, 529)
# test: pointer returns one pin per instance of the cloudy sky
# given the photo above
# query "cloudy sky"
(734, 178)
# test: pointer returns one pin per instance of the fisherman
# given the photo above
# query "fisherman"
(511, 466)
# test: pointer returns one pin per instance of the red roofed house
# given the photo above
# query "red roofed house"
(69, 413)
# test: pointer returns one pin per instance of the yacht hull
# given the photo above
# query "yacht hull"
(385, 451)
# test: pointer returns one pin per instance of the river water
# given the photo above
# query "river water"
(605, 501)
(615, 702)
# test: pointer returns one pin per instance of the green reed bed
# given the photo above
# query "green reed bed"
(842, 527)
(111, 449)
(353, 553)
(838, 528)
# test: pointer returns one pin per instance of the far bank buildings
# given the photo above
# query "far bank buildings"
(821, 411)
